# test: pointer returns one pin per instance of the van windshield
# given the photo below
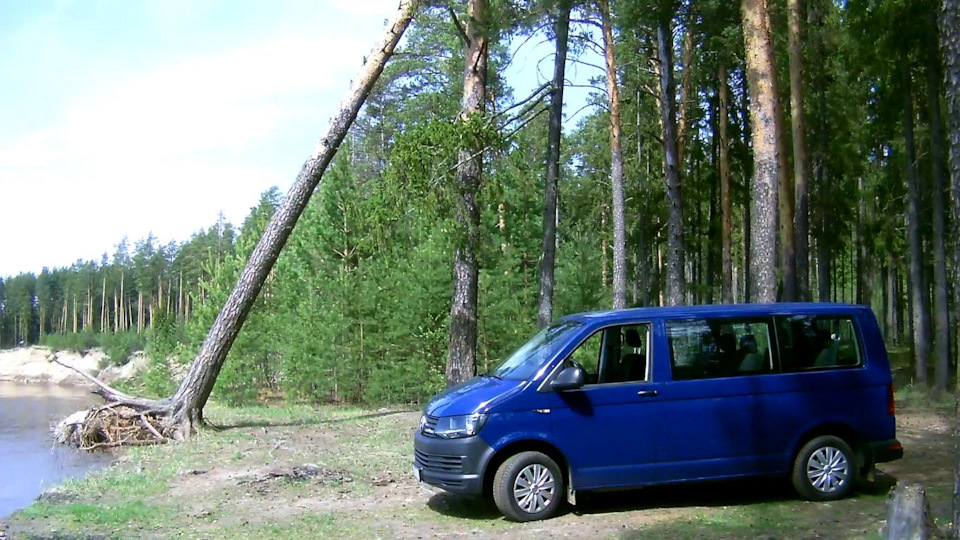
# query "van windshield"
(523, 364)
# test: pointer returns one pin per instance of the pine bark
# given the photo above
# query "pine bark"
(726, 208)
(918, 297)
(191, 396)
(761, 77)
(801, 168)
(686, 89)
(548, 260)
(462, 352)
(949, 26)
(671, 165)
(941, 314)
(786, 258)
(616, 164)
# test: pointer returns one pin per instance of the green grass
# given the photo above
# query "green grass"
(912, 395)
(213, 487)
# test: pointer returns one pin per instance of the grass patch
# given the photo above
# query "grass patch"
(920, 397)
(234, 481)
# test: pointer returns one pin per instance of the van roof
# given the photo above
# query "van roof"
(718, 310)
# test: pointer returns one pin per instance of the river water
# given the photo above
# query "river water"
(30, 461)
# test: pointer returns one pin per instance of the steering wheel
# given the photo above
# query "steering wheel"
(578, 365)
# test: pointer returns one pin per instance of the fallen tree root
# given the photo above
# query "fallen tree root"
(112, 425)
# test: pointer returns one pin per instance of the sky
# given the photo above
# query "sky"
(120, 119)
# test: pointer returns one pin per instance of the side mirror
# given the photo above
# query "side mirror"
(570, 378)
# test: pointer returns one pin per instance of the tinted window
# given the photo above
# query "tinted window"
(815, 342)
(722, 347)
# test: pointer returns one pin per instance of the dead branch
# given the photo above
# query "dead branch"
(149, 427)
(459, 25)
(103, 386)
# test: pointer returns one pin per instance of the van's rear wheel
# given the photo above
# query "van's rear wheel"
(528, 486)
(824, 469)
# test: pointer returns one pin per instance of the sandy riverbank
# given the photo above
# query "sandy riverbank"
(35, 365)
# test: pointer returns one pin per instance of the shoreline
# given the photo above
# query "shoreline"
(34, 365)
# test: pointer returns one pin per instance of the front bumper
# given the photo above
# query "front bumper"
(883, 451)
(454, 465)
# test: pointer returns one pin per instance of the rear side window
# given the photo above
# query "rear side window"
(720, 347)
(818, 342)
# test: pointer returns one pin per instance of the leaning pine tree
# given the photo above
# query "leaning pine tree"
(131, 420)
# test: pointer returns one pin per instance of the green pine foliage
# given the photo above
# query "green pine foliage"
(356, 308)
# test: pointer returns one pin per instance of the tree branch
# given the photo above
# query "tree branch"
(460, 29)
(103, 386)
(535, 94)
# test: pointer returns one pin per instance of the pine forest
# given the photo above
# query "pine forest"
(760, 151)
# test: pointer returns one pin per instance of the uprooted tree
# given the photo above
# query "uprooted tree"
(131, 420)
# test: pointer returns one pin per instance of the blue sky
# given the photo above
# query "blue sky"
(120, 118)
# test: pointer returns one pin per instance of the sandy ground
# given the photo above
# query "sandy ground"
(35, 365)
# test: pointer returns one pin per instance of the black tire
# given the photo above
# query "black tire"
(540, 503)
(825, 469)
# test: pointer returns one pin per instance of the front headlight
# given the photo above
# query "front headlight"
(458, 427)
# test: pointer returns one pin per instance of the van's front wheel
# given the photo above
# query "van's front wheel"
(824, 469)
(528, 486)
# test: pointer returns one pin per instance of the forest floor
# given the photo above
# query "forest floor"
(300, 472)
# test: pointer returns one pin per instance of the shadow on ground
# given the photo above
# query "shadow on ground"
(737, 493)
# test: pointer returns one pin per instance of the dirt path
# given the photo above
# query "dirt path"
(347, 474)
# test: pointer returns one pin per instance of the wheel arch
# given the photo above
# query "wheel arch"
(525, 445)
(837, 429)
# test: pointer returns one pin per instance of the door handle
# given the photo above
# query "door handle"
(647, 393)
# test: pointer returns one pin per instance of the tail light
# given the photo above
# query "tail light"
(891, 405)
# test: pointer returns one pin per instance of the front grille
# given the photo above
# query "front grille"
(439, 463)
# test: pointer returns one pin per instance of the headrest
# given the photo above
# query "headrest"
(632, 337)
(748, 342)
(727, 343)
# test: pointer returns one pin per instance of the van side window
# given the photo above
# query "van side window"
(721, 347)
(616, 354)
(587, 355)
(817, 342)
(625, 354)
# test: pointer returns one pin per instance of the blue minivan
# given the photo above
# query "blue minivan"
(645, 396)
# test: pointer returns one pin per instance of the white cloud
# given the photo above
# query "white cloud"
(165, 150)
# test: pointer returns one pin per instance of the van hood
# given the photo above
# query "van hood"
(477, 395)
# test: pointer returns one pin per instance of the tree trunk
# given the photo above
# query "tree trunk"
(123, 320)
(462, 353)
(918, 297)
(191, 396)
(671, 165)
(786, 255)
(103, 306)
(726, 208)
(909, 516)
(547, 262)
(616, 165)
(949, 21)
(864, 264)
(761, 77)
(685, 89)
(801, 169)
(941, 315)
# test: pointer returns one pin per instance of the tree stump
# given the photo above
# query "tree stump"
(909, 516)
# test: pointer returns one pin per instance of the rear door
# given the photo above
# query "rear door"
(712, 421)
